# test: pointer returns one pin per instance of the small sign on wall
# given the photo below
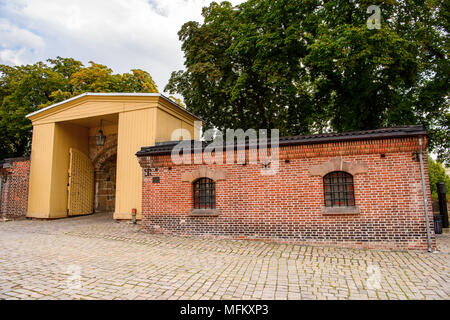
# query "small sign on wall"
(148, 171)
(155, 180)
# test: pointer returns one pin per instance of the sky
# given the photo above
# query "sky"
(122, 34)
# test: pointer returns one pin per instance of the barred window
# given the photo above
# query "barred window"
(338, 189)
(204, 194)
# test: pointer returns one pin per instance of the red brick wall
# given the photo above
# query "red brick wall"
(288, 206)
(14, 191)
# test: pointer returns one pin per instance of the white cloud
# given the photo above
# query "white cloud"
(16, 44)
(122, 34)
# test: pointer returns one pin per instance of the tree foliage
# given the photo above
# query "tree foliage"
(25, 89)
(437, 174)
(307, 66)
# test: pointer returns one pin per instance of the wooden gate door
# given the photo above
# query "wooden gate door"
(81, 184)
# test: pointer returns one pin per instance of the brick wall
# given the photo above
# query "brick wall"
(289, 206)
(14, 190)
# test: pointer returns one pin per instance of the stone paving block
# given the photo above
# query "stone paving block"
(95, 258)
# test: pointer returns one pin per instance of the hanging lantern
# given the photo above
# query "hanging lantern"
(100, 138)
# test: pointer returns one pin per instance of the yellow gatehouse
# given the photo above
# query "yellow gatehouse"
(83, 151)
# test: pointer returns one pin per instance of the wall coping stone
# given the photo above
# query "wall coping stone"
(203, 172)
(340, 210)
(204, 212)
(338, 164)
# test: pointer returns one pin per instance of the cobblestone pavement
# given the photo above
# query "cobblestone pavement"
(42, 260)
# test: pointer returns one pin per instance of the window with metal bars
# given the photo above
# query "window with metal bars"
(204, 194)
(338, 189)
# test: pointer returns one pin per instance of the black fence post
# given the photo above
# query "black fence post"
(442, 204)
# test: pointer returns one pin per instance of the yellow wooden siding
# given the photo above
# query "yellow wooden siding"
(40, 171)
(136, 129)
(164, 132)
(85, 110)
(177, 113)
(93, 106)
(170, 124)
(189, 127)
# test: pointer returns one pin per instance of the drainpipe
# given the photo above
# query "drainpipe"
(425, 198)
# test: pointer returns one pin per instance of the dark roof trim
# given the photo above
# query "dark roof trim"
(384, 133)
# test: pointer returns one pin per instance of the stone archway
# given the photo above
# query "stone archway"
(104, 160)
(105, 185)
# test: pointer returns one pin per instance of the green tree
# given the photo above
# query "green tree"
(99, 78)
(308, 66)
(440, 133)
(437, 174)
(25, 89)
